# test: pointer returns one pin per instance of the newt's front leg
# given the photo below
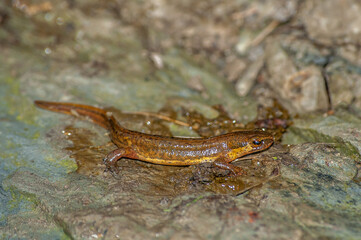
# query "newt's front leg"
(111, 159)
(220, 163)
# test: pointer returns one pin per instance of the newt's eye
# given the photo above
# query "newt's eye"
(256, 142)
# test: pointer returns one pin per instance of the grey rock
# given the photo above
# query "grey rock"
(301, 90)
(325, 159)
(332, 22)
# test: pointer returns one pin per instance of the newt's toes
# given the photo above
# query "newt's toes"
(114, 171)
(110, 166)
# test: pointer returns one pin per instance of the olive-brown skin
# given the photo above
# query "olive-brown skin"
(220, 150)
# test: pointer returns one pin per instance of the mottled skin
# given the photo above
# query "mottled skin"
(220, 150)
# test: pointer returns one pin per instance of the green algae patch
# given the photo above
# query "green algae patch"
(54, 232)
(36, 135)
(15, 103)
(22, 201)
(12, 156)
(16, 161)
(68, 164)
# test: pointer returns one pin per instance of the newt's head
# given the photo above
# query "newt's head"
(250, 142)
(259, 141)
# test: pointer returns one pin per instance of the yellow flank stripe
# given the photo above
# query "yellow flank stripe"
(238, 152)
(177, 162)
(232, 155)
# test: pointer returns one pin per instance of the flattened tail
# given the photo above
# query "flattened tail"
(94, 114)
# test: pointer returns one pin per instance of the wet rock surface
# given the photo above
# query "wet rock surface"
(161, 68)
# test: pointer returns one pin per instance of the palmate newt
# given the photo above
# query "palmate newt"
(219, 150)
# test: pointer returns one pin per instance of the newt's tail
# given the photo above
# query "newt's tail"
(96, 115)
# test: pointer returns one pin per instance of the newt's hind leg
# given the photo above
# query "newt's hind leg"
(228, 166)
(112, 158)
